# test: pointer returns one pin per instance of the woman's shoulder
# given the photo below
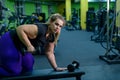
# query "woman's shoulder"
(42, 28)
(41, 24)
(27, 25)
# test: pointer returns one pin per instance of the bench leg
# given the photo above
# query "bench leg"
(78, 78)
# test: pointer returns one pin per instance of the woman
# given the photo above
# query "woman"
(17, 46)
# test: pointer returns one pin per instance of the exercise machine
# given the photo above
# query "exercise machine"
(112, 55)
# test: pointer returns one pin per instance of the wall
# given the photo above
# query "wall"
(59, 8)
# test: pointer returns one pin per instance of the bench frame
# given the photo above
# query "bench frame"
(46, 75)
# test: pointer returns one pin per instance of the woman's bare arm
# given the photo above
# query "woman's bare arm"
(51, 57)
(25, 32)
(50, 54)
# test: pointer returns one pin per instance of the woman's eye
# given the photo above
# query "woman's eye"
(57, 24)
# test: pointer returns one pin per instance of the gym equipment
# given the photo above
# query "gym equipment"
(1, 11)
(41, 17)
(91, 20)
(46, 74)
(112, 55)
(73, 66)
(37, 50)
(73, 24)
(99, 27)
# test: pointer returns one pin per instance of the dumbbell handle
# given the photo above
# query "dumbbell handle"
(29, 51)
(76, 64)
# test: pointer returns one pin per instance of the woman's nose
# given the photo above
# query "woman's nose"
(57, 27)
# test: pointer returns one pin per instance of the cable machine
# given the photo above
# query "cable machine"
(112, 54)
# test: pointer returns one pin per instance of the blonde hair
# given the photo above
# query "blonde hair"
(54, 17)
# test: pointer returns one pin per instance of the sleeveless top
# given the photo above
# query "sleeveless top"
(40, 40)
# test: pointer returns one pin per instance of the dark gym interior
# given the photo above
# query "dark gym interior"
(90, 36)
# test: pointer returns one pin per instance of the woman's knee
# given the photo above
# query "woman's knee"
(28, 62)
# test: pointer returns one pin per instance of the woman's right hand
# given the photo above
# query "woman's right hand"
(31, 49)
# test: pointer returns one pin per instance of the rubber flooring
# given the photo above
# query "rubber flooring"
(77, 45)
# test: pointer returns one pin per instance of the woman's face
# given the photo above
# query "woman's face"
(56, 25)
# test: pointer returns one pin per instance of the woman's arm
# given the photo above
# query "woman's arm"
(25, 32)
(51, 57)
(49, 51)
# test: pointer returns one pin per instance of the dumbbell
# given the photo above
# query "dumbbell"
(37, 50)
(73, 66)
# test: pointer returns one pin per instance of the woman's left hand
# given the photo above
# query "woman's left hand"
(60, 69)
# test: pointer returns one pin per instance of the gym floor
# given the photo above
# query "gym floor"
(77, 45)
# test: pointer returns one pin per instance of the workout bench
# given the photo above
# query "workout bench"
(46, 74)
